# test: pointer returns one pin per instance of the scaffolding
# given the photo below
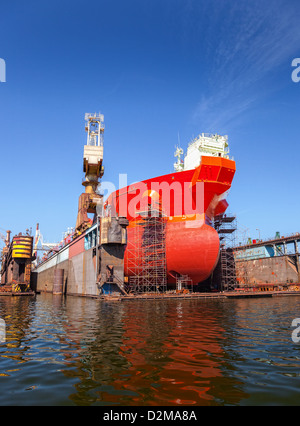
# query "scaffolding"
(226, 227)
(146, 253)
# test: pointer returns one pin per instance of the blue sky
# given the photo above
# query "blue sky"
(156, 70)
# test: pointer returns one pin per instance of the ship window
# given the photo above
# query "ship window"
(90, 240)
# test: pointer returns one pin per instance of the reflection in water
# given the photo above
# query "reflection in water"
(174, 352)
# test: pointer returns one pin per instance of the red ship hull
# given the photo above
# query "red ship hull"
(189, 200)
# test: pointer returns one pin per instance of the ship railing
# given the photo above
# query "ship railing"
(295, 235)
(274, 240)
(210, 136)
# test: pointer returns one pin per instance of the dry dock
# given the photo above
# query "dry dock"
(191, 296)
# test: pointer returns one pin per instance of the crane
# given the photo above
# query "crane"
(91, 200)
(2, 237)
(5, 239)
(40, 245)
(39, 239)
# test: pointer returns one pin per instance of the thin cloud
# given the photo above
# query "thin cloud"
(253, 40)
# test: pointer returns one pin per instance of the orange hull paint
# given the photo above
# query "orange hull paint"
(192, 245)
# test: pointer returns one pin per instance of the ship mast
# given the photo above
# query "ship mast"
(90, 200)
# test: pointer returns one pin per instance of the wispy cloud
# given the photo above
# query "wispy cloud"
(250, 41)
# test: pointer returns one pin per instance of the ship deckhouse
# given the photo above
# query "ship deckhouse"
(206, 144)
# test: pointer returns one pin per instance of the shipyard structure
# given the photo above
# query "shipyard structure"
(153, 236)
(269, 265)
(16, 264)
(168, 235)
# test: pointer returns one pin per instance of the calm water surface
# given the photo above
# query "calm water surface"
(76, 351)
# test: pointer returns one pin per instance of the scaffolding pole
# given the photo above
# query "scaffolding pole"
(146, 254)
(226, 227)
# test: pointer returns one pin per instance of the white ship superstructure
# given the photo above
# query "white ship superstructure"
(206, 144)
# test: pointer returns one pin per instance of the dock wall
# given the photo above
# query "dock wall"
(79, 274)
(277, 270)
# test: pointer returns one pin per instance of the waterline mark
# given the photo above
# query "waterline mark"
(296, 72)
(2, 71)
(2, 331)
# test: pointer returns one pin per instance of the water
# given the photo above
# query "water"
(77, 351)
